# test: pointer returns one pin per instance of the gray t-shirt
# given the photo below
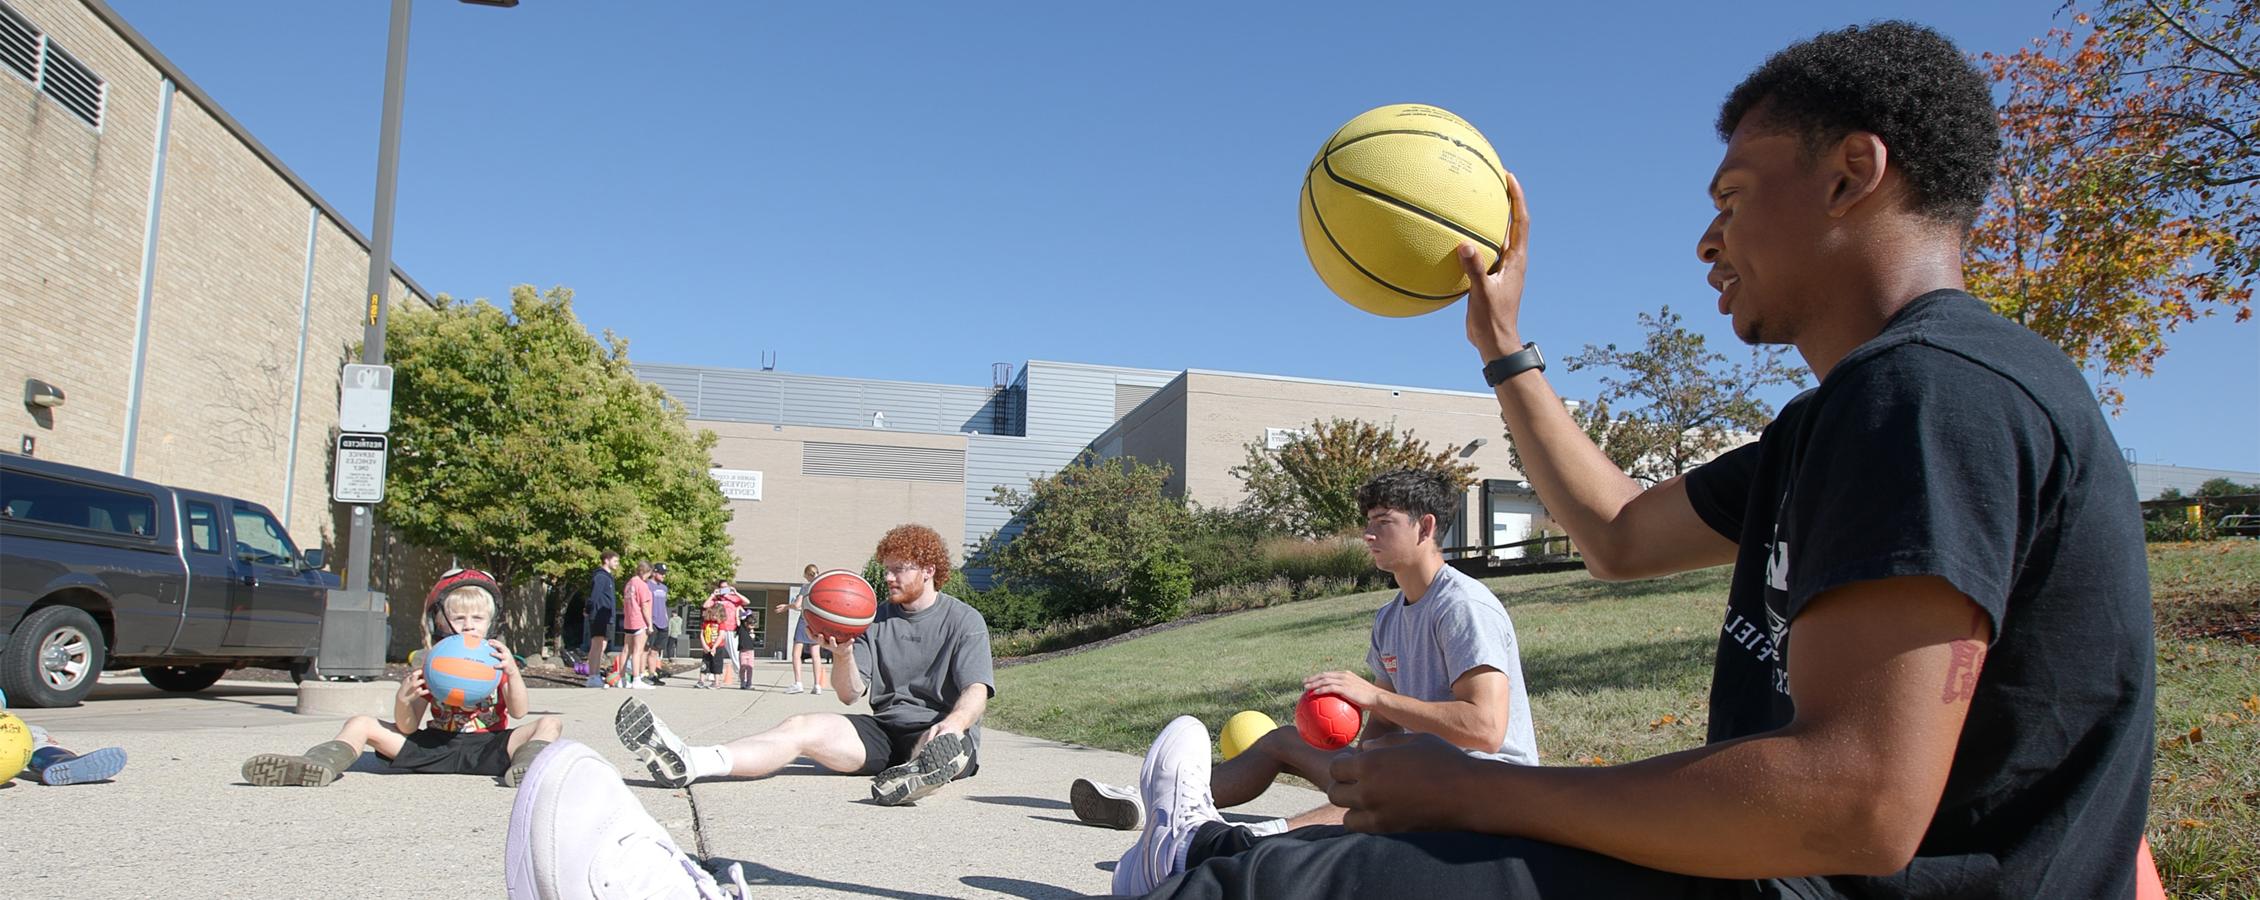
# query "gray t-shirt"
(1420, 648)
(916, 665)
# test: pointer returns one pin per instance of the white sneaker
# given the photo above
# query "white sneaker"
(641, 685)
(1103, 804)
(796, 689)
(1174, 785)
(664, 753)
(576, 833)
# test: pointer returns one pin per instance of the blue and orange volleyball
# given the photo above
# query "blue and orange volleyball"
(462, 672)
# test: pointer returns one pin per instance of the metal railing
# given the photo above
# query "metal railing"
(1485, 550)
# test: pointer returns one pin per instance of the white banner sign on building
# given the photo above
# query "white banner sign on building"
(738, 484)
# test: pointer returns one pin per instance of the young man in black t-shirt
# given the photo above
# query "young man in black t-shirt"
(1933, 676)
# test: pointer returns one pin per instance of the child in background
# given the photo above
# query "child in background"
(723, 611)
(709, 642)
(746, 636)
(474, 741)
(51, 764)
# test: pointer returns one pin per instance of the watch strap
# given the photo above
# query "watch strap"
(1513, 364)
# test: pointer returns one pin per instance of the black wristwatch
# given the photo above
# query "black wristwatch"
(1513, 364)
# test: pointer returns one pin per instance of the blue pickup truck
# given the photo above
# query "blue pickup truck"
(102, 572)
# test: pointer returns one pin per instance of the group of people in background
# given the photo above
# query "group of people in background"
(633, 609)
(634, 623)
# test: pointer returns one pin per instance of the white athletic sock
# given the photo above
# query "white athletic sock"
(1266, 827)
(708, 762)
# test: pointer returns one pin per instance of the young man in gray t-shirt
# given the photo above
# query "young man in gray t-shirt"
(926, 664)
(1443, 657)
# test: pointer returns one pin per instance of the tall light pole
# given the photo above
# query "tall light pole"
(357, 559)
(353, 628)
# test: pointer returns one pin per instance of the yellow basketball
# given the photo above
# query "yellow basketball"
(1242, 731)
(1388, 200)
(15, 745)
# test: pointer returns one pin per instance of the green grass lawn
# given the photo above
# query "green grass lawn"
(1620, 671)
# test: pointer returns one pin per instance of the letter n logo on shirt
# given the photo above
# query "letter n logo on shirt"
(1777, 562)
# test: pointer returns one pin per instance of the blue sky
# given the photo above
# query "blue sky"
(916, 190)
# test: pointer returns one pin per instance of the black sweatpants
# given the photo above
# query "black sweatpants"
(1329, 861)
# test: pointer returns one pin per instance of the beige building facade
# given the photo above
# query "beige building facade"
(177, 304)
(818, 468)
(1202, 422)
(187, 295)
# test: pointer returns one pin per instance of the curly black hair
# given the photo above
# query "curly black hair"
(1900, 81)
(1414, 492)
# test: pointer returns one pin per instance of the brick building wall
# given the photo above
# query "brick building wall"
(222, 368)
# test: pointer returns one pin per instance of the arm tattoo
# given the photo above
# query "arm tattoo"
(1962, 670)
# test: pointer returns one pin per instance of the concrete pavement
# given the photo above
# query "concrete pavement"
(180, 822)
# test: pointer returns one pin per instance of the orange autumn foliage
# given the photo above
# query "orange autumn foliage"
(2125, 204)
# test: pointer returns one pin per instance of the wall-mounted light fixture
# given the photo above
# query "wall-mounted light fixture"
(1473, 446)
(40, 394)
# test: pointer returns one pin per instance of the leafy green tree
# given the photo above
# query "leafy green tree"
(1674, 402)
(522, 443)
(875, 574)
(2223, 487)
(684, 517)
(2170, 493)
(1085, 529)
(1309, 487)
(1160, 585)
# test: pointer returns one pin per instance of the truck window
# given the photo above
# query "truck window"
(37, 498)
(203, 527)
(259, 537)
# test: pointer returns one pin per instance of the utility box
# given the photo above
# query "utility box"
(354, 634)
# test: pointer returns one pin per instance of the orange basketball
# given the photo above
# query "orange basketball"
(840, 605)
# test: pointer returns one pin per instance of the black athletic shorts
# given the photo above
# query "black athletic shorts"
(885, 746)
(600, 624)
(435, 752)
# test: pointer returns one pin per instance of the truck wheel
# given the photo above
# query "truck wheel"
(53, 658)
(182, 679)
(304, 670)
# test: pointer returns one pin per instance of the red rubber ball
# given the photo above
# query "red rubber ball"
(1327, 721)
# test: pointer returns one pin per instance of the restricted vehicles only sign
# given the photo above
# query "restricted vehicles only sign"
(360, 469)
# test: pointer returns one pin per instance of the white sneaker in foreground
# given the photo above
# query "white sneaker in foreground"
(664, 753)
(1174, 785)
(1096, 803)
(576, 833)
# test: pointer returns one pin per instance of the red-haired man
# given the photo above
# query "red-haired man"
(925, 663)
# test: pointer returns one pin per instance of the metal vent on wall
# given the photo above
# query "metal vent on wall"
(1128, 396)
(49, 68)
(876, 461)
(19, 44)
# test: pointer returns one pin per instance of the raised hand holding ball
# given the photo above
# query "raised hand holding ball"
(840, 605)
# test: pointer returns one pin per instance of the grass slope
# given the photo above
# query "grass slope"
(1619, 672)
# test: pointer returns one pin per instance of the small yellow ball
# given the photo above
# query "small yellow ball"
(15, 745)
(1242, 731)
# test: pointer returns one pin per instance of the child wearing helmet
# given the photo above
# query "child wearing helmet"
(429, 737)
